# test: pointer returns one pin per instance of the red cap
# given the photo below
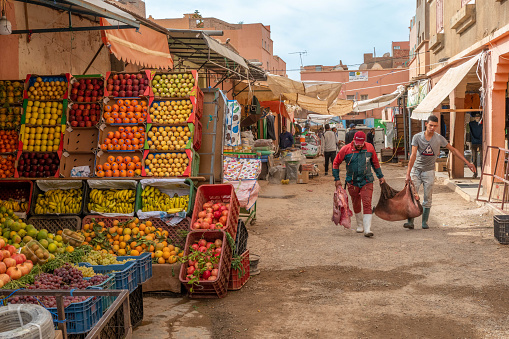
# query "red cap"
(359, 138)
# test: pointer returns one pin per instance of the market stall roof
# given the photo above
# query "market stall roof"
(378, 102)
(205, 52)
(90, 9)
(144, 46)
(443, 88)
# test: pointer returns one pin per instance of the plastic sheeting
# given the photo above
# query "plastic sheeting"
(378, 102)
(246, 192)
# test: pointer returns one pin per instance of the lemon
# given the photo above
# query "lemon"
(52, 248)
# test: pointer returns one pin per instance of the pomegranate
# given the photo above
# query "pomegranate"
(209, 210)
(23, 268)
(197, 225)
(216, 207)
(209, 266)
(2, 243)
(223, 220)
(9, 262)
(209, 244)
(190, 270)
(202, 249)
(212, 278)
(224, 213)
(191, 262)
(14, 273)
(214, 272)
(195, 247)
(223, 209)
(18, 258)
(5, 278)
(218, 243)
(10, 248)
(219, 226)
(3, 268)
(205, 225)
(217, 214)
(207, 205)
(217, 250)
(202, 242)
(202, 214)
(5, 254)
(29, 264)
(207, 221)
(205, 275)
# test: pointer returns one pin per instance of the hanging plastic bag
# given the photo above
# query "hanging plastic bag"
(397, 206)
(341, 212)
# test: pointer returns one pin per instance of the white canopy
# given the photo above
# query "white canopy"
(443, 88)
(378, 102)
(319, 118)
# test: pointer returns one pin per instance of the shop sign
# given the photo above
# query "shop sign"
(358, 76)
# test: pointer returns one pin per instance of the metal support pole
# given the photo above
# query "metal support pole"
(93, 59)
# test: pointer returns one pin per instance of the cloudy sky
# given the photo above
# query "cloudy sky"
(329, 30)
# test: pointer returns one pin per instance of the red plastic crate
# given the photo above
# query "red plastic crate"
(176, 232)
(219, 193)
(209, 289)
(197, 135)
(108, 221)
(237, 277)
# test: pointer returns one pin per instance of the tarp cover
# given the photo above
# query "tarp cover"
(315, 96)
(277, 107)
(144, 47)
(442, 89)
(378, 102)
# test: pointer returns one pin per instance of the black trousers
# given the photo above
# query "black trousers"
(331, 156)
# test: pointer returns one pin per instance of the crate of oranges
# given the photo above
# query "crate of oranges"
(121, 165)
(125, 112)
(8, 141)
(7, 166)
(122, 138)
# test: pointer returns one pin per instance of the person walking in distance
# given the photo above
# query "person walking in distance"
(329, 144)
(421, 165)
(350, 134)
(476, 138)
(359, 157)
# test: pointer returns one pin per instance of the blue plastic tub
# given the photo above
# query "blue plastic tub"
(143, 266)
(108, 284)
(125, 274)
(81, 317)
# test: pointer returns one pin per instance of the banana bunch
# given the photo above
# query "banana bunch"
(112, 201)
(15, 205)
(152, 199)
(59, 202)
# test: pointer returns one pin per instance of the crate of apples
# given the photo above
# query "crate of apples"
(123, 139)
(12, 265)
(213, 216)
(87, 89)
(125, 112)
(84, 115)
(127, 85)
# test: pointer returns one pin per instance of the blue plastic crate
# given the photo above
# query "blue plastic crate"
(143, 266)
(108, 284)
(80, 317)
(125, 274)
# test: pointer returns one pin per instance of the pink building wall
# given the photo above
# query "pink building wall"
(379, 82)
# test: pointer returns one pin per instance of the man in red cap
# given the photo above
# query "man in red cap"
(359, 156)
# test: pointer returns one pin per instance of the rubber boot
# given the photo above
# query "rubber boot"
(360, 227)
(425, 217)
(367, 225)
(409, 224)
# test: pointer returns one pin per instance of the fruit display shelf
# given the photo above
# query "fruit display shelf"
(47, 87)
(176, 85)
(101, 193)
(61, 198)
(177, 164)
(127, 84)
(114, 139)
(87, 88)
(173, 138)
(11, 92)
(119, 164)
(125, 112)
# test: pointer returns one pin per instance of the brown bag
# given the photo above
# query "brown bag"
(397, 206)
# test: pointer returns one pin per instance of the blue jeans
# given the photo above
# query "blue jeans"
(427, 179)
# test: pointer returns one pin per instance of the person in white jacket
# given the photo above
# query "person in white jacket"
(329, 147)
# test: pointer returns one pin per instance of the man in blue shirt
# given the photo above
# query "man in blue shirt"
(285, 139)
(476, 139)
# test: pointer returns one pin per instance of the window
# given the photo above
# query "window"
(350, 97)
(397, 47)
(364, 97)
(318, 68)
(440, 16)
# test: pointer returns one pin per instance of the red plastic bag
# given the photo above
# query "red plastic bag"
(341, 212)
(397, 206)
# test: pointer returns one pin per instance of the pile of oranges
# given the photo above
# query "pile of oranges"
(125, 138)
(7, 166)
(126, 111)
(8, 141)
(132, 238)
(120, 167)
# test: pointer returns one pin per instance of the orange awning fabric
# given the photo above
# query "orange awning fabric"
(146, 47)
(277, 107)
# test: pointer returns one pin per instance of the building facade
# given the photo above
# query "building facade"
(252, 41)
(371, 80)
(459, 30)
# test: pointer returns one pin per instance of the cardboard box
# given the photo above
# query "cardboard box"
(303, 177)
(58, 334)
(440, 167)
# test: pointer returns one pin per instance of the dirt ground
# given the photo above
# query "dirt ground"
(319, 280)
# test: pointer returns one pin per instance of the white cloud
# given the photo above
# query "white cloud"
(329, 30)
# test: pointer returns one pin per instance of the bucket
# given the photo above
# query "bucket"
(254, 259)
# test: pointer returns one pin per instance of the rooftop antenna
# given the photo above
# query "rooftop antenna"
(300, 54)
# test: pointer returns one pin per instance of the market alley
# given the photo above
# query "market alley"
(322, 281)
